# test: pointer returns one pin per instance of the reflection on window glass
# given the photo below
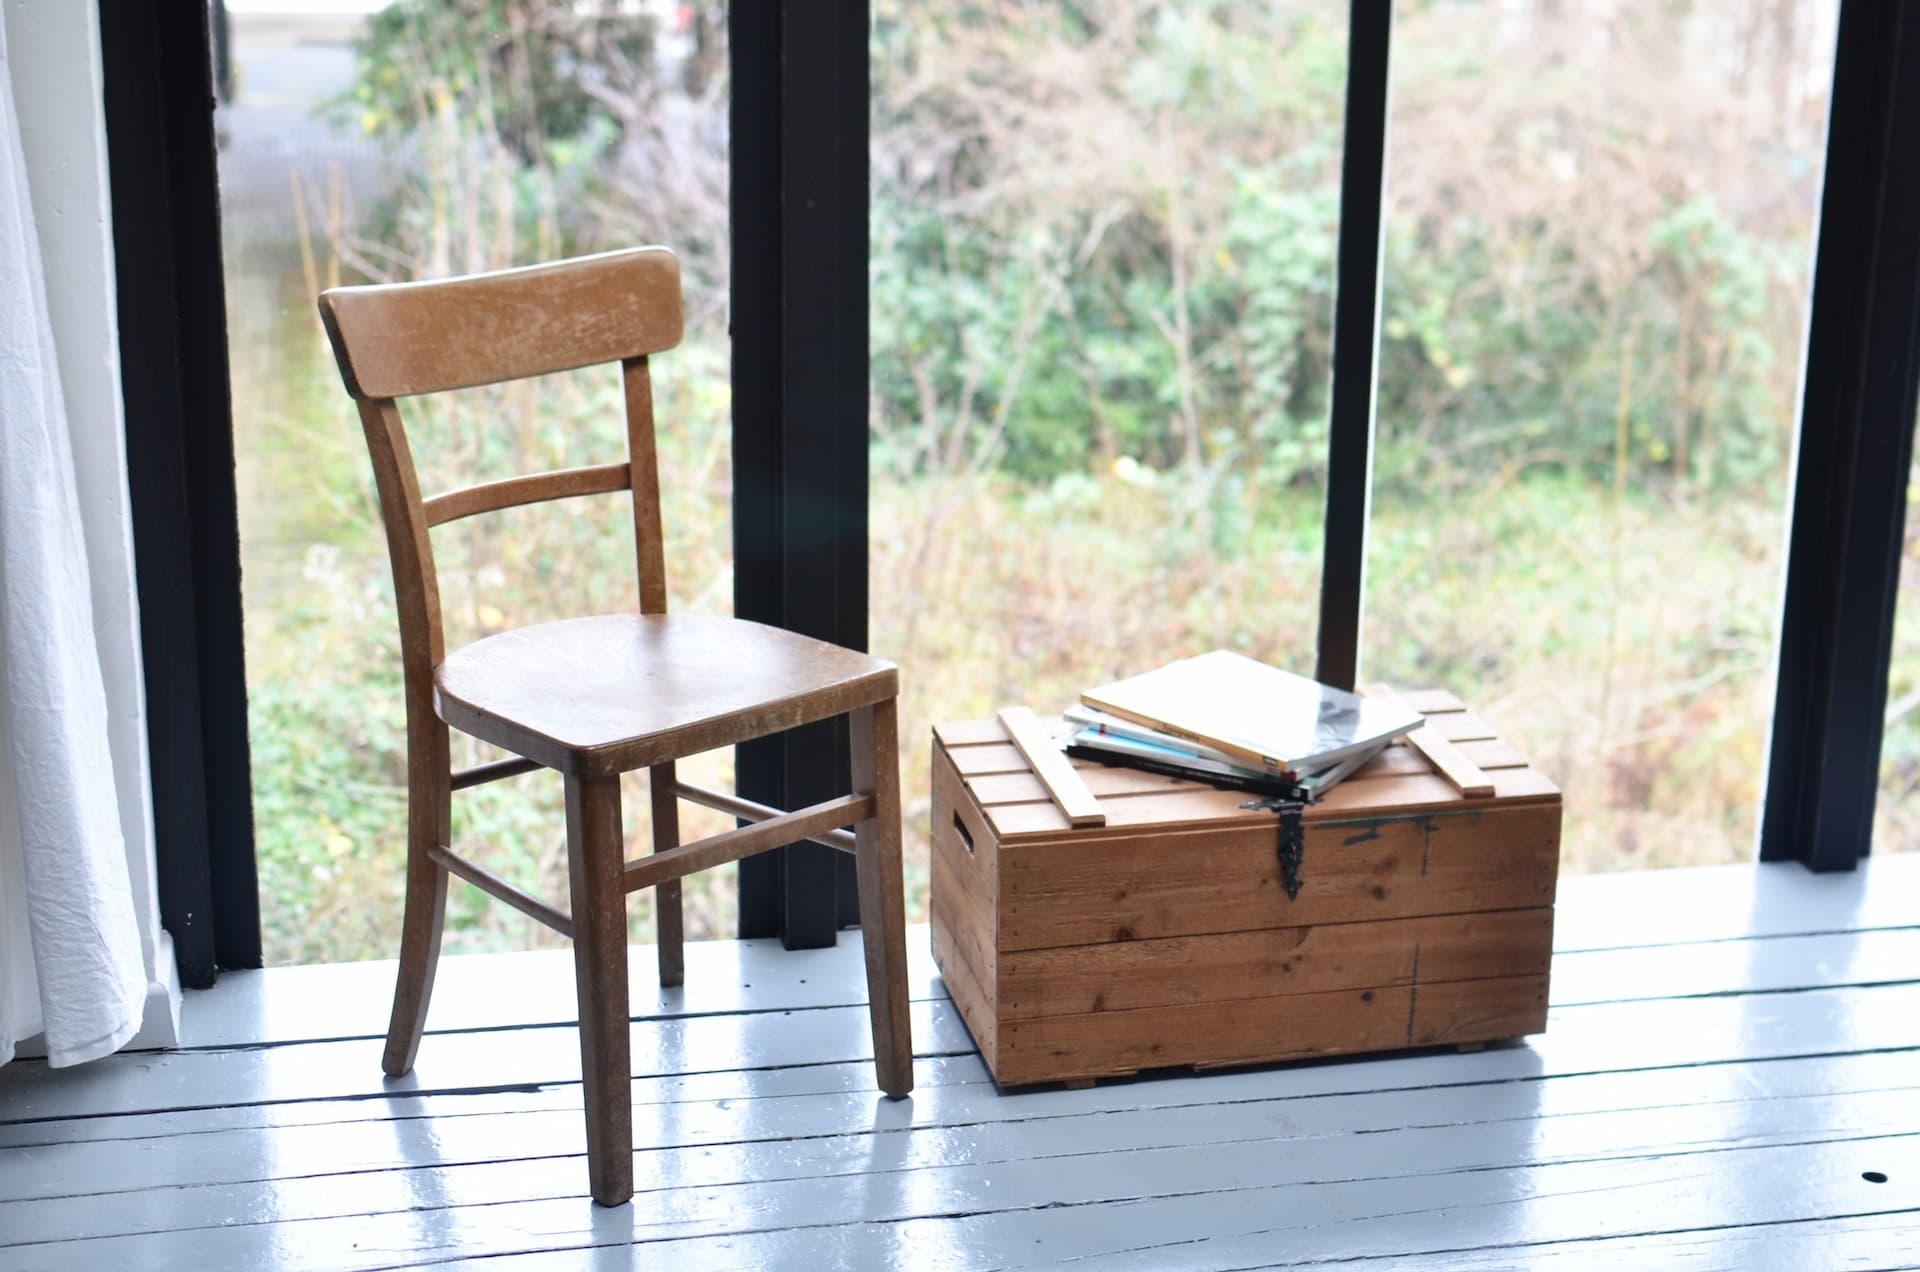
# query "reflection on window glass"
(1896, 809)
(421, 140)
(1599, 232)
(1102, 264)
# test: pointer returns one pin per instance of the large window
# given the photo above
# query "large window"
(1102, 279)
(1598, 241)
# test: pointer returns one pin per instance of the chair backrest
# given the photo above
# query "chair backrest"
(406, 339)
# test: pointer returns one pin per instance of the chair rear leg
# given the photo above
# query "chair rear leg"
(429, 815)
(876, 768)
(669, 934)
(594, 873)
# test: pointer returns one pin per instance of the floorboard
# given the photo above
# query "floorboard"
(1737, 1086)
(1861, 1241)
(500, 991)
(721, 1175)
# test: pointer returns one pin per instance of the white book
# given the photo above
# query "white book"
(1258, 715)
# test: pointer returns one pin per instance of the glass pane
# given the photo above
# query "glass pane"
(1896, 809)
(1599, 233)
(419, 141)
(1102, 255)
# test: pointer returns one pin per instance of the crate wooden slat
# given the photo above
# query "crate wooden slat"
(1459, 726)
(1492, 753)
(1444, 755)
(1230, 966)
(1165, 937)
(1063, 783)
(1293, 1027)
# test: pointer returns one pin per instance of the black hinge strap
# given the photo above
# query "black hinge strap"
(1293, 844)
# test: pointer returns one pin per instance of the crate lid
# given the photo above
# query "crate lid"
(1401, 781)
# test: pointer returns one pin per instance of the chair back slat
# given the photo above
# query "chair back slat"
(597, 479)
(403, 339)
(407, 339)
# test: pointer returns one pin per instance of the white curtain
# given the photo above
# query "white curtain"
(70, 954)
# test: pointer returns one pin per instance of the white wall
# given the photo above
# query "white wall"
(54, 48)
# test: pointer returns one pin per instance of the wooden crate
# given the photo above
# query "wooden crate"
(1165, 938)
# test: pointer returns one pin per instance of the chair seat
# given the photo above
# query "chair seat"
(616, 692)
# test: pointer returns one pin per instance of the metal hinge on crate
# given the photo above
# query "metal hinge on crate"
(1293, 844)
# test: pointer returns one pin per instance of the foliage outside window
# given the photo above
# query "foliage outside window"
(1101, 282)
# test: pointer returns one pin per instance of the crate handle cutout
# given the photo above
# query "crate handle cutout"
(966, 837)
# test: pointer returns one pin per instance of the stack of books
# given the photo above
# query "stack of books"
(1229, 720)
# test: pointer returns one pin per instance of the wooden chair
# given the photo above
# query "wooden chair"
(597, 697)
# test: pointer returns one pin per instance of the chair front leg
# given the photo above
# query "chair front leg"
(595, 847)
(883, 932)
(668, 931)
(429, 819)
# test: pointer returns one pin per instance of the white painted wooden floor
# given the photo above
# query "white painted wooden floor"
(1731, 1079)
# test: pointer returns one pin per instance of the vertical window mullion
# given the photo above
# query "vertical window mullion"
(1356, 341)
(799, 212)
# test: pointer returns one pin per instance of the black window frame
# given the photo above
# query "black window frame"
(1859, 386)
